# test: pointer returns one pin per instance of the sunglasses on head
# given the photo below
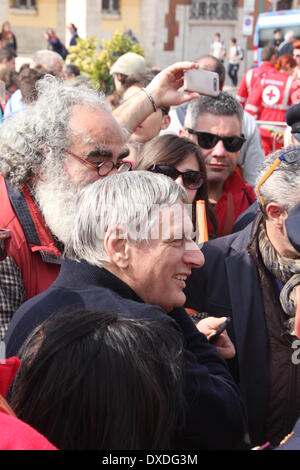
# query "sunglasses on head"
(290, 156)
(206, 140)
(191, 179)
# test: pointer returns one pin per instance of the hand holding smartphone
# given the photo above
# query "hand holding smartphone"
(219, 330)
(201, 81)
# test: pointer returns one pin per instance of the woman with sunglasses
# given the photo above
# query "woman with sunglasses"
(180, 159)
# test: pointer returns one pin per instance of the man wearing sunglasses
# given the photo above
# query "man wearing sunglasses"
(67, 139)
(254, 276)
(216, 125)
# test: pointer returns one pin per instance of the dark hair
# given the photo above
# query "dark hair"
(27, 83)
(267, 52)
(72, 69)
(233, 40)
(102, 381)
(73, 26)
(212, 64)
(9, 77)
(172, 150)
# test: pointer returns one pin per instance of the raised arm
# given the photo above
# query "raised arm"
(164, 90)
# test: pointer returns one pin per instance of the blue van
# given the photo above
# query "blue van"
(286, 20)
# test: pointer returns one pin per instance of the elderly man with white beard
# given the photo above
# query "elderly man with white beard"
(65, 140)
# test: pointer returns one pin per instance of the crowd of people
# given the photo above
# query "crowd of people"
(131, 227)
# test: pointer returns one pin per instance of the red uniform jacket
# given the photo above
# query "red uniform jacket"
(272, 96)
(32, 246)
(249, 79)
(237, 196)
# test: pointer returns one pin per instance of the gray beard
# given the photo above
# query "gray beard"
(57, 201)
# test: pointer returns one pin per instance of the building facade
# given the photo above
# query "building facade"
(168, 30)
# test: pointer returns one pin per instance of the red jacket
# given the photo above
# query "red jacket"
(237, 196)
(249, 79)
(15, 434)
(272, 96)
(32, 246)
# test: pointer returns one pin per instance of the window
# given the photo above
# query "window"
(24, 4)
(110, 6)
(214, 10)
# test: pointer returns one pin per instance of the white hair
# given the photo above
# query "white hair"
(42, 131)
(283, 185)
(46, 58)
(289, 36)
(121, 202)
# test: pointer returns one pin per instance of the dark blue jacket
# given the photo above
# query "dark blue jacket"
(215, 414)
(228, 285)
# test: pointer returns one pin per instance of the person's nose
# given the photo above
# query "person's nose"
(193, 255)
(219, 150)
(179, 180)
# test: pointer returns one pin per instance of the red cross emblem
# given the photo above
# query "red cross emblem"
(271, 95)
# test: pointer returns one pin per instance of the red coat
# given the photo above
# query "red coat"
(32, 246)
(249, 79)
(237, 196)
(272, 96)
(15, 434)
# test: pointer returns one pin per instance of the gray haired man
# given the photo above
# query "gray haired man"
(123, 257)
(254, 275)
(65, 140)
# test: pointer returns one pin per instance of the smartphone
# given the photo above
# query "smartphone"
(219, 330)
(201, 81)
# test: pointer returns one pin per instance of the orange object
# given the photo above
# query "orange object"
(202, 230)
(190, 311)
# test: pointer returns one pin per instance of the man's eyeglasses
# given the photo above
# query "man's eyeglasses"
(206, 140)
(103, 168)
(5, 235)
(191, 179)
(287, 157)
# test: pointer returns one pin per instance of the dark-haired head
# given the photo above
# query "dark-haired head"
(173, 150)
(101, 381)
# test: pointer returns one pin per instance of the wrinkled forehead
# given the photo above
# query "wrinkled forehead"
(95, 125)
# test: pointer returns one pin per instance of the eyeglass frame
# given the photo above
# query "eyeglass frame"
(180, 173)
(268, 173)
(97, 166)
(196, 133)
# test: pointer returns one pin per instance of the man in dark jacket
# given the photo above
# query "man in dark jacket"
(254, 276)
(131, 252)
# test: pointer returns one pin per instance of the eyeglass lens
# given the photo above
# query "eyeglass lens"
(207, 140)
(191, 179)
(105, 167)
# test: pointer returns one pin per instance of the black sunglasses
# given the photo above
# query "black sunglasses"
(206, 140)
(191, 179)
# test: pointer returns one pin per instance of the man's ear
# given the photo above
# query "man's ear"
(165, 122)
(276, 214)
(183, 133)
(116, 248)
